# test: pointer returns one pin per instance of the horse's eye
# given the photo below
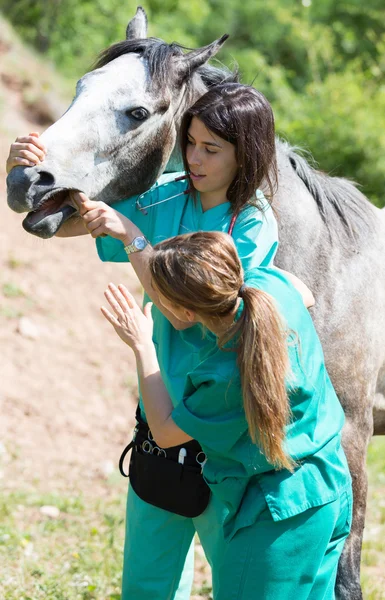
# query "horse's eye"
(139, 114)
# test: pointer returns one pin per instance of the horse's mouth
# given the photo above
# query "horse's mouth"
(51, 213)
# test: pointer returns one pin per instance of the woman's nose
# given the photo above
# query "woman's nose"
(194, 156)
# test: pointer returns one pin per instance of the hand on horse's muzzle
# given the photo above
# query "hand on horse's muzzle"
(79, 201)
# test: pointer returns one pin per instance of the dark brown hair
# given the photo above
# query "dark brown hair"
(242, 116)
(202, 272)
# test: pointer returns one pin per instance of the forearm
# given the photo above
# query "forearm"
(156, 400)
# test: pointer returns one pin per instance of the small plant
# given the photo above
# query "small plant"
(11, 290)
(13, 262)
(10, 312)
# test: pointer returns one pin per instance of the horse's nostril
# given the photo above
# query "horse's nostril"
(45, 179)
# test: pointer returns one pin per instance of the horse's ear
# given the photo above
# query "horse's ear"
(137, 27)
(191, 61)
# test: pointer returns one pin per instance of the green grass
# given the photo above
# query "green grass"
(78, 556)
(10, 290)
(9, 312)
(373, 550)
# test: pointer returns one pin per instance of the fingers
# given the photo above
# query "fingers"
(26, 151)
(101, 219)
(96, 227)
(31, 143)
(88, 209)
(117, 301)
(127, 296)
(109, 316)
(79, 201)
(19, 162)
(29, 154)
(114, 304)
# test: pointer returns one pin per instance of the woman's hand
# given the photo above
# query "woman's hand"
(26, 151)
(100, 219)
(132, 325)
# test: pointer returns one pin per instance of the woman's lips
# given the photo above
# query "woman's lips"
(196, 177)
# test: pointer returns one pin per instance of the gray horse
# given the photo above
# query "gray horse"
(118, 136)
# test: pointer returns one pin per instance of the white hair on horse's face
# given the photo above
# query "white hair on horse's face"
(113, 113)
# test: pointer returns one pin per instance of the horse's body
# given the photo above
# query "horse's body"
(115, 140)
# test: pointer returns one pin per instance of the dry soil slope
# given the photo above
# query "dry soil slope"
(66, 395)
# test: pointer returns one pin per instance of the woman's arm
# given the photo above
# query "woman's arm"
(134, 327)
(307, 296)
(99, 220)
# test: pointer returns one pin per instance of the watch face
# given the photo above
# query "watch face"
(140, 243)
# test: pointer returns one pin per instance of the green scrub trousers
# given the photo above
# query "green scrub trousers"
(291, 559)
(159, 548)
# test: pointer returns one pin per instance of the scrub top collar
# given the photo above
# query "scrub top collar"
(218, 211)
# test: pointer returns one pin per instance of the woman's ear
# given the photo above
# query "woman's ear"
(190, 316)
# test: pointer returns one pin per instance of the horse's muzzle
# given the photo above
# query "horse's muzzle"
(32, 190)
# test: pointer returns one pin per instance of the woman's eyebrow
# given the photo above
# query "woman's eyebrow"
(206, 143)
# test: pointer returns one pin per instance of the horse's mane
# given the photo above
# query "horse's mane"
(159, 56)
(343, 208)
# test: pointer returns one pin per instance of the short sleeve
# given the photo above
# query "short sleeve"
(256, 236)
(202, 416)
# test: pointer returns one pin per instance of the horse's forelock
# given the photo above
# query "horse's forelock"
(159, 56)
(156, 52)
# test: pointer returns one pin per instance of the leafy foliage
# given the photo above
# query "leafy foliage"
(321, 64)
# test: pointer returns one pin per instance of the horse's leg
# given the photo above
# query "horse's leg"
(356, 436)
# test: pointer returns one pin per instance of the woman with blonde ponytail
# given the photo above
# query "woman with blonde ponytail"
(263, 409)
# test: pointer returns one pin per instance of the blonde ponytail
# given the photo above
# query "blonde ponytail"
(263, 363)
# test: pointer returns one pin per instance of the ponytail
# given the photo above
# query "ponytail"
(263, 363)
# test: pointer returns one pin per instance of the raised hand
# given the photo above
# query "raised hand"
(132, 325)
(26, 151)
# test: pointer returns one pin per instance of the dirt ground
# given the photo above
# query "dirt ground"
(67, 382)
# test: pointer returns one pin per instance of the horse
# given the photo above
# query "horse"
(118, 136)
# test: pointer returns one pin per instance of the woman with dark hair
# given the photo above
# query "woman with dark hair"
(228, 148)
(241, 116)
(263, 408)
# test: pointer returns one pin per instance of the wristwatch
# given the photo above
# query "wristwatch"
(137, 245)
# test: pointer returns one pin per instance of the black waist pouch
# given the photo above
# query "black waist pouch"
(158, 478)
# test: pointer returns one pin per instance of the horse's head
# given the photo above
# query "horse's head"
(118, 134)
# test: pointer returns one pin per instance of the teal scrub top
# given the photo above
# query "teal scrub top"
(255, 235)
(212, 412)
